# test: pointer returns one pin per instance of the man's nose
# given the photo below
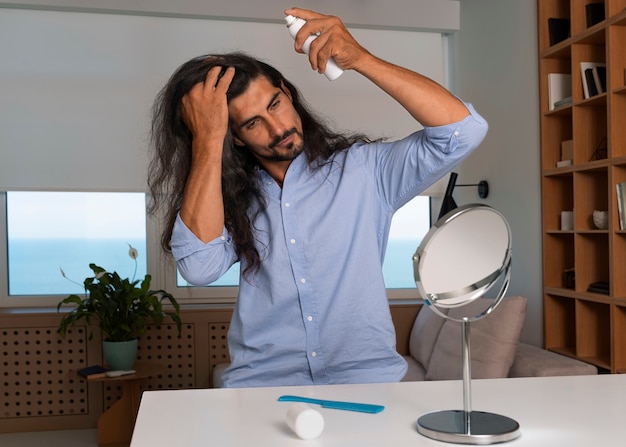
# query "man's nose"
(276, 127)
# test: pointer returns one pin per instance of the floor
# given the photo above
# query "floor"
(60, 438)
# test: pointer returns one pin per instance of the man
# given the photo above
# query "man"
(254, 177)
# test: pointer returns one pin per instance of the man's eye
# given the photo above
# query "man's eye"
(275, 104)
(252, 124)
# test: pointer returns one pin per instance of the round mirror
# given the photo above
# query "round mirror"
(462, 256)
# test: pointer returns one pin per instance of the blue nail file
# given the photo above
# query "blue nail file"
(336, 405)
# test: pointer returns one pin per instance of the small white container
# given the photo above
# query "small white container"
(305, 422)
(293, 25)
(567, 220)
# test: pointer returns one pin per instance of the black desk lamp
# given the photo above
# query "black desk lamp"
(448, 203)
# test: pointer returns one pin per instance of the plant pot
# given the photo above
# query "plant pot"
(120, 355)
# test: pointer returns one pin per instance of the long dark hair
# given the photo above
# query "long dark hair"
(171, 144)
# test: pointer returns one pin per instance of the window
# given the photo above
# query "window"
(409, 226)
(50, 231)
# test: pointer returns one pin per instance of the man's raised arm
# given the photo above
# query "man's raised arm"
(427, 101)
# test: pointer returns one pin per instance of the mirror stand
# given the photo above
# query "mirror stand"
(463, 255)
(467, 426)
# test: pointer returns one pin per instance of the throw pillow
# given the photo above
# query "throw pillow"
(424, 335)
(494, 341)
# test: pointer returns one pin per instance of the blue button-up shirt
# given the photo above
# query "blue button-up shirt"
(317, 312)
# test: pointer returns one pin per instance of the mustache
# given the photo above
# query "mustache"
(280, 138)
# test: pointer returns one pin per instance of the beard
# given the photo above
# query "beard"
(285, 153)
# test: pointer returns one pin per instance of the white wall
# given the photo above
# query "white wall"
(434, 15)
(496, 66)
(79, 87)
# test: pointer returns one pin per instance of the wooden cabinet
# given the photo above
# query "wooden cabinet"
(588, 325)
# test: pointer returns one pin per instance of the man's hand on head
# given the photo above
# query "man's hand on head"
(205, 108)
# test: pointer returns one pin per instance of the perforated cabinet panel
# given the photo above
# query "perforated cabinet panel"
(41, 390)
(161, 345)
(36, 372)
(39, 387)
(218, 343)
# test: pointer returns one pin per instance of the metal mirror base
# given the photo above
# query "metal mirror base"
(480, 428)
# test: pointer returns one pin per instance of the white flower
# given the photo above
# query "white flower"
(132, 252)
(65, 276)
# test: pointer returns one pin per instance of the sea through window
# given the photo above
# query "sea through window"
(53, 231)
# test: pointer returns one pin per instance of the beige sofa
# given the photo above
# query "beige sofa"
(435, 346)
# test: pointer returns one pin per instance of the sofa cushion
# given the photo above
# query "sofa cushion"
(494, 340)
(424, 335)
(218, 370)
(531, 361)
(415, 372)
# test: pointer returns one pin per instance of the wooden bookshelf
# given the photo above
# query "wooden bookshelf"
(580, 323)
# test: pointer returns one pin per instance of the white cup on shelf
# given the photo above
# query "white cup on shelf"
(567, 220)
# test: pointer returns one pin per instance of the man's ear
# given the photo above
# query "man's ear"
(236, 139)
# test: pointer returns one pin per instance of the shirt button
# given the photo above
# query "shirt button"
(293, 241)
(456, 133)
(287, 204)
(314, 354)
(310, 318)
(302, 280)
(223, 238)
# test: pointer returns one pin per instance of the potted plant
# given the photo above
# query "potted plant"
(122, 308)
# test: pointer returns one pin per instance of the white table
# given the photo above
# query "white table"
(577, 411)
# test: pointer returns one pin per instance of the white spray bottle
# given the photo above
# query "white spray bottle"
(293, 25)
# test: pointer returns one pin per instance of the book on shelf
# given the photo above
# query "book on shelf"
(594, 13)
(558, 30)
(589, 84)
(567, 154)
(592, 90)
(93, 371)
(599, 287)
(563, 102)
(621, 204)
(567, 149)
(559, 88)
(599, 77)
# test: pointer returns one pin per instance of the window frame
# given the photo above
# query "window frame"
(48, 300)
(159, 264)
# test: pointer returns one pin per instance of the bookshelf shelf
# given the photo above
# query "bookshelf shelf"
(590, 326)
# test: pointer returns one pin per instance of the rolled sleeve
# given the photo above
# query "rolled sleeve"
(466, 134)
(406, 167)
(198, 262)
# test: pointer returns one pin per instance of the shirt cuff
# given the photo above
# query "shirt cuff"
(449, 136)
(184, 243)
